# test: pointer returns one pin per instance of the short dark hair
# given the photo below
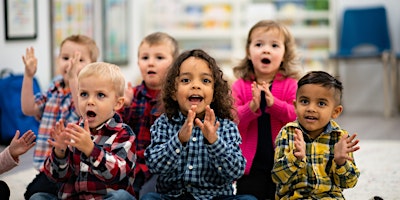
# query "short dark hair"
(325, 80)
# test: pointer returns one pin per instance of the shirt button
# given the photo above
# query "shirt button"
(194, 139)
(219, 168)
(177, 150)
(190, 167)
(168, 163)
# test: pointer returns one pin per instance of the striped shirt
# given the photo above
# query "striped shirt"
(54, 104)
(316, 176)
(109, 167)
(204, 170)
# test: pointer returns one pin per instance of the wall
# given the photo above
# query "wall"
(362, 80)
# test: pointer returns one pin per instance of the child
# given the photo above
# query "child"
(195, 144)
(264, 95)
(156, 53)
(9, 157)
(313, 155)
(54, 104)
(95, 159)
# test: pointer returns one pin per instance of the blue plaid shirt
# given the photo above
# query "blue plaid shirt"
(199, 168)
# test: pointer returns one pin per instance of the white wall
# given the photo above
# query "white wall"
(362, 80)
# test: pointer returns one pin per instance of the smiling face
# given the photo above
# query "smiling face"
(266, 51)
(194, 86)
(67, 52)
(154, 61)
(315, 106)
(97, 99)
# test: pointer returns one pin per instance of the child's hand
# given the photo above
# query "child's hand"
(343, 147)
(268, 95)
(80, 138)
(299, 145)
(255, 102)
(74, 66)
(186, 130)
(128, 95)
(20, 145)
(30, 62)
(209, 127)
(59, 137)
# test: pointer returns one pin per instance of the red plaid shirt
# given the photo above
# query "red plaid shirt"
(140, 115)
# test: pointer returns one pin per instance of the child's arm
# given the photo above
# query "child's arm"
(346, 173)
(289, 155)
(28, 105)
(108, 163)
(73, 79)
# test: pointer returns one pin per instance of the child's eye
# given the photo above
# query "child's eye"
(185, 80)
(206, 80)
(83, 94)
(144, 57)
(275, 45)
(101, 95)
(65, 58)
(160, 57)
(321, 104)
(304, 101)
(258, 45)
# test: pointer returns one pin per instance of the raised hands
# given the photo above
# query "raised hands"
(210, 126)
(299, 145)
(186, 130)
(58, 139)
(80, 138)
(72, 135)
(20, 145)
(256, 91)
(30, 62)
(128, 95)
(345, 146)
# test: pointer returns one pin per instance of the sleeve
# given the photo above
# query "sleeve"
(242, 102)
(113, 164)
(6, 161)
(164, 152)
(225, 154)
(286, 165)
(58, 169)
(346, 176)
(283, 107)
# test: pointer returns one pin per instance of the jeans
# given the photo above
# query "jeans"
(158, 196)
(112, 195)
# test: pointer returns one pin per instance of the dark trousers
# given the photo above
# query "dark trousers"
(258, 183)
(41, 183)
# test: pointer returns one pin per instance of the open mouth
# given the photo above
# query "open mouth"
(310, 118)
(266, 61)
(90, 114)
(195, 98)
(151, 72)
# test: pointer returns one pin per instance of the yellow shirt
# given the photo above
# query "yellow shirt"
(316, 176)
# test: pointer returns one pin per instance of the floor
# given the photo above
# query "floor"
(378, 159)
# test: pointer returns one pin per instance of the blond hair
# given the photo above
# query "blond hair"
(105, 70)
(158, 38)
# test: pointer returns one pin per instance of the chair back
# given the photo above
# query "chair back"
(364, 32)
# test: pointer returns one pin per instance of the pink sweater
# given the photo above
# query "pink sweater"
(6, 161)
(281, 112)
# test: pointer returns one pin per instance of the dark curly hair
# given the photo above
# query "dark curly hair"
(222, 103)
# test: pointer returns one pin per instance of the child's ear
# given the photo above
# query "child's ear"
(337, 111)
(119, 103)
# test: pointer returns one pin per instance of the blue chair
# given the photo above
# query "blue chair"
(365, 35)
